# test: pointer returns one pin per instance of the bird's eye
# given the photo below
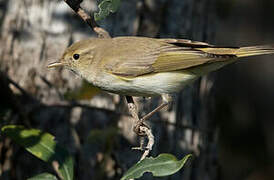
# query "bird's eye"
(76, 56)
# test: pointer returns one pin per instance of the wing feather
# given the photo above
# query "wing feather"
(151, 55)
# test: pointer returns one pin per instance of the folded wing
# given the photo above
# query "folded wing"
(162, 55)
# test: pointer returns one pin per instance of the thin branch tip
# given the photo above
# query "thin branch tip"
(76, 7)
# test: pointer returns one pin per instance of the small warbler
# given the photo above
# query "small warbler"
(140, 66)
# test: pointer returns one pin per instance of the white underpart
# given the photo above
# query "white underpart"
(145, 85)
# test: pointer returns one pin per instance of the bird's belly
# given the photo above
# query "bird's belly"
(146, 85)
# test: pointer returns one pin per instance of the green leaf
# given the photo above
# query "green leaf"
(43, 146)
(162, 165)
(105, 8)
(43, 176)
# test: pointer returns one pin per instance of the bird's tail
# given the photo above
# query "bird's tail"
(254, 50)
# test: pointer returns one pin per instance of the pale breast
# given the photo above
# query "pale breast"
(146, 85)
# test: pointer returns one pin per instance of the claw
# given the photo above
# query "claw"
(137, 128)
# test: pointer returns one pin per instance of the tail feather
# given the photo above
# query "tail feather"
(255, 50)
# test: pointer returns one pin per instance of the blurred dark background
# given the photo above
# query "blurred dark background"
(224, 119)
(244, 92)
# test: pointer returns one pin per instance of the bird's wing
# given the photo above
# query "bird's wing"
(131, 56)
(191, 54)
(162, 55)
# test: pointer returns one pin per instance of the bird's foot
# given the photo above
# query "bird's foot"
(137, 128)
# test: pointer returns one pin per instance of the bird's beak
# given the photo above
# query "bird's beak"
(55, 64)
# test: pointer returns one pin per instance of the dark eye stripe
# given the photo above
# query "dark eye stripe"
(76, 56)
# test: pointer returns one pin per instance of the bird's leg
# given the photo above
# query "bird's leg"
(140, 122)
(166, 99)
(140, 127)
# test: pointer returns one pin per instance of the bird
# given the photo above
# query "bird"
(149, 67)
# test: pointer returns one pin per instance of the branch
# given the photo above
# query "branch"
(75, 5)
(140, 129)
(150, 143)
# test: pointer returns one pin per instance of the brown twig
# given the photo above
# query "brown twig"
(150, 143)
(142, 129)
(56, 166)
(75, 5)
